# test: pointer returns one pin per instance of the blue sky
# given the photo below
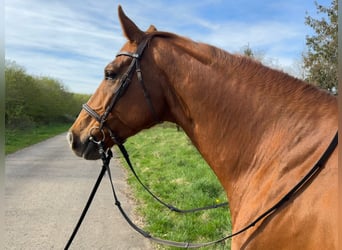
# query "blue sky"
(72, 41)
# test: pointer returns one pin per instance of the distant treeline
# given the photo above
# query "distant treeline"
(37, 100)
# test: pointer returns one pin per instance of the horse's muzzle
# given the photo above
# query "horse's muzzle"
(87, 149)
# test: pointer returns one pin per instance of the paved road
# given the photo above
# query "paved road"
(46, 189)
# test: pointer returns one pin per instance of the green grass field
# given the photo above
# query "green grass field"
(171, 167)
(18, 139)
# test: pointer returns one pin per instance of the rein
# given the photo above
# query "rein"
(169, 206)
(106, 157)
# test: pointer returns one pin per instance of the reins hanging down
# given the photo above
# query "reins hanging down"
(297, 188)
(105, 160)
(105, 167)
(169, 206)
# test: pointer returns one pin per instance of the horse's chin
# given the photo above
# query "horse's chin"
(91, 152)
(87, 149)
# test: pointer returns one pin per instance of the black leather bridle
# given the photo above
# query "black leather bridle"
(124, 83)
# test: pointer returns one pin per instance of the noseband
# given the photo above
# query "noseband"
(123, 85)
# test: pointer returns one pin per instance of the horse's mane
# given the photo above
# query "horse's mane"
(246, 66)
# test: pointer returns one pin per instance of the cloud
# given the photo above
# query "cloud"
(74, 40)
(60, 40)
(275, 39)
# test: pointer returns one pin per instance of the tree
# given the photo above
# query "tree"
(320, 60)
(20, 96)
(249, 52)
(32, 100)
(260, 56)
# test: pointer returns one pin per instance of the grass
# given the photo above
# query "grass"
(18, 139)
(172, 168)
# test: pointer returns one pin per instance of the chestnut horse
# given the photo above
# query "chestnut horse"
(259, 129)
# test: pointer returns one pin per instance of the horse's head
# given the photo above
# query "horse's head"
(124, 103)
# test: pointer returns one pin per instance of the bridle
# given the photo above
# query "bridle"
(124, 83)
(106, 156)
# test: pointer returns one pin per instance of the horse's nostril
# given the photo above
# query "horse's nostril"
(70, 138)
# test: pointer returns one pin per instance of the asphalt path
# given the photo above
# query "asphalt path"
(46, 188)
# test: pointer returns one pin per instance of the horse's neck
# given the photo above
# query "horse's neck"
(248, 132)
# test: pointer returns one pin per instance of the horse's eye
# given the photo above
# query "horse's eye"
(110, 75)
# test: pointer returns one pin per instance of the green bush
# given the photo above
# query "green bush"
(32, 101)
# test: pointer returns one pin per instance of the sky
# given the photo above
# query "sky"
(72, 41)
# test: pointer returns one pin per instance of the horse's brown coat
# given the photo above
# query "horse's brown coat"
(259, 129)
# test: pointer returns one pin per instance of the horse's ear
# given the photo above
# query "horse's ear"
(130, 30)
(151, 29)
